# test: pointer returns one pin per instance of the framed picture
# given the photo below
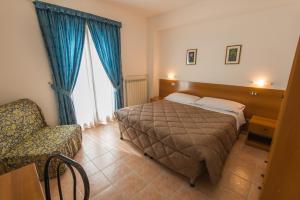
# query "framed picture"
(191, 56)
(233, 54)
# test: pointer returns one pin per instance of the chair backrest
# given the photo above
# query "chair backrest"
(17, 120)
(70, 163)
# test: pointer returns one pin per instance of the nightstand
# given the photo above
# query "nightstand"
(155, 99)
(260, 132)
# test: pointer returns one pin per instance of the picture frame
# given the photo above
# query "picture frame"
(233, 54)
(191, 56)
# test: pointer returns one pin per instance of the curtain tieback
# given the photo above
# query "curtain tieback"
(118, 87)
(60, 90)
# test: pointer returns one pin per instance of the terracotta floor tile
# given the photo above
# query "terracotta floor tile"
(235, 183)
(167, 183)
(130, 185)
(90, 168)
(81, 157)
(136, 162)
(111, 193)
(204, 186)
(98, 183)
(258, 176)
(149, 171)
(225, 194)
(149, 193)
(189, 193)
(254, 192)
(242, 168)
(256, 153)
(104, 161)
(247, 169)
(95, 151)
(125, 188)
(66, 185)
(118, 170)
(67, 194)
(119, 153)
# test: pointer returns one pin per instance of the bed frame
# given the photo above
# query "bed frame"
(258, 101)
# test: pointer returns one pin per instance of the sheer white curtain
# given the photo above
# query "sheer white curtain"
(93, 94)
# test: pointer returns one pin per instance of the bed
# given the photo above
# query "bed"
(186, 137)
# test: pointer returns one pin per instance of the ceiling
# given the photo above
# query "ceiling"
(154, 7)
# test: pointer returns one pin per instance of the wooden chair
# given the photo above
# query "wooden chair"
(70, 164)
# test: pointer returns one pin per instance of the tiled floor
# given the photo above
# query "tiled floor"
(117, 170)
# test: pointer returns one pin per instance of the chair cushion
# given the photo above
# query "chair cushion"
(38, 146)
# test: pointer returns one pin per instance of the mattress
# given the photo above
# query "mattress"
(182, 137)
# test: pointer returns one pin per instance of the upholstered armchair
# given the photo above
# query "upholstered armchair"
(25, 138)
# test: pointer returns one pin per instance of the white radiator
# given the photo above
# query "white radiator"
(135, 90)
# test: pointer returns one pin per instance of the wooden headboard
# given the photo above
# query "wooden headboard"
(258, 101)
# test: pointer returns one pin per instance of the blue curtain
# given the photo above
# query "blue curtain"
(106, 38)
(63, 35)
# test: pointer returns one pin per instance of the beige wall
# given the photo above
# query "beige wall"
(268, 31)
(24, 68)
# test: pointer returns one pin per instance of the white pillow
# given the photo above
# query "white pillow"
(221, 104)
(182, 98)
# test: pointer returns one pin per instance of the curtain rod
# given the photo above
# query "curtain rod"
(70, 11)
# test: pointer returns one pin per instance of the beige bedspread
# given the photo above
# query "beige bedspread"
(198, 133)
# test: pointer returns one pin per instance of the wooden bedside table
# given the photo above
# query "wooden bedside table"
(260, 132)
(155, 99)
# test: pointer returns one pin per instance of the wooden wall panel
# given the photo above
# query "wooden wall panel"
(266, 103)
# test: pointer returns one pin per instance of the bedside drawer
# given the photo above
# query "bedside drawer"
(261, 130)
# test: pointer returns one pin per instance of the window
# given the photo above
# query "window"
(93, 94)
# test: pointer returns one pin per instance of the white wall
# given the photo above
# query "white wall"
(268, 31)
(24, 68)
